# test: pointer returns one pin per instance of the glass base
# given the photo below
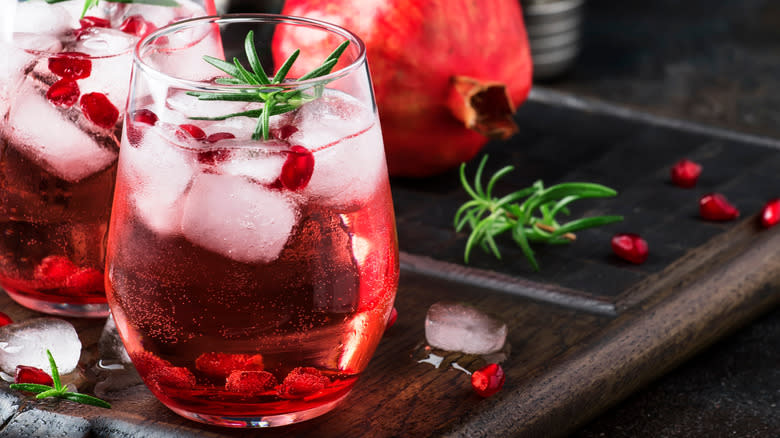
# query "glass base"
(62, 309)
(260, 421)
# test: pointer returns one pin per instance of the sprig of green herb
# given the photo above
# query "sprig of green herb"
(261, 88)
(88, 4)
(58, 390)
(532, 220)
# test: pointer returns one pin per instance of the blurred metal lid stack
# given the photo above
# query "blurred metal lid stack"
(554, 32)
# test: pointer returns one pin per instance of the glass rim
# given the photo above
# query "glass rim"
(146, 41)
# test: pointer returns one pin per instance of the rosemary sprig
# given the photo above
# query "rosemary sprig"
(58, 390)
(260, 88)
(529, 221)
(88, 4)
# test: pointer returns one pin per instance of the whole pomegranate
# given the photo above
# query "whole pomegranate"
(448, 74)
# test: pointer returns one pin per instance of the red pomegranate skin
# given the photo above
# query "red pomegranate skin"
(414, 48)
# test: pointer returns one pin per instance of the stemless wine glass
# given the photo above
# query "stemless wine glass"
(252, 257)
(63, 87)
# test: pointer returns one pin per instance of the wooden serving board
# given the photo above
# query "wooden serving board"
(584, 332)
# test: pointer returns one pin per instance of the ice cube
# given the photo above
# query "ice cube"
(110, 346)
(191, 106)
(458, 327)
(112, 52)
(42, 18)
(26, 342)
(182, 56)
(46, 135)
(237, 218)
(262, 167)
(158, 174)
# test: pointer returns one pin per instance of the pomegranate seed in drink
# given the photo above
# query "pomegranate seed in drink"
(770, 213)
(297, 168)
(303, 381)
(92, 21)
(55, 269)
(71, 65)
(99, 110)
(136, 25)
(146, 362)
(196, 132)
(284, 132)
(222, 364)
(217, 136)
(488, 380)
(5, 319)
(26, 374)
(171, 377)
(85, 281)
(685, 173)
(250, 382)
(630, 247)
(64, 93)
(145, 116)
(715, 207)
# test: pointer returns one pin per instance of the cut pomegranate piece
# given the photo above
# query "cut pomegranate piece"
(685, 173)
(136, 25)
(223, 364)
(25, 374)
(770, 214)
(5, 319)
(55, 270)
(715, 207)
(99, 110)
(488, 380)
(630, 247)
(171, 377)
(284, 132)
(145, 116)
(297, 168)
(84, 281)
(303, 381)
(391, 320)
(217, 136)
(71, 65)
(250, 382)
(64, 93)
(146, 362)
(193, 131)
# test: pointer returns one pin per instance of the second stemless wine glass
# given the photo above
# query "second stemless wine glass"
(252, 258)
(63, 87)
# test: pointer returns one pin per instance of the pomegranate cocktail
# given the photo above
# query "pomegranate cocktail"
(252, 257)
(64, 80)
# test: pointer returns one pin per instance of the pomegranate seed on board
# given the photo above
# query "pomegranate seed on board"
(630, 247)
(685, 173)
(136, 25)
(71, 65)
(145, 116)
(250, 382)
(194, 131)
(488, 380)
(25, 374)
(64, 93)
(715, 207)
(99, 110)
(5, 319)
(297, 168)
(770, 213)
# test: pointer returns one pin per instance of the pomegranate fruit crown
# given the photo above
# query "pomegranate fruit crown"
(89, 4)
(57, 390)
(488, 216)
(260, 88)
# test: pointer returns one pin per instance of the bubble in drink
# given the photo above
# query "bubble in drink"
(26, 342)
(458, 327)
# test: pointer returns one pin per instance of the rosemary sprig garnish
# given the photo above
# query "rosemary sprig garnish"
(88, 4)
(58, 390)
(260, 88)
(532, 220)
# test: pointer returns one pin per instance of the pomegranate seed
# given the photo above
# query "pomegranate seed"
(146, 362)
(303, 381)
(55, 269)
(5, 319)
(715, 207)
(99, 110)
(92, 21)
(64, 93)
(488, 380)
(630, 247)
(136, 25)
(297, 168)
(222, 364)
(171, 377)
(25, 374)
(71, 65)
(685, 173)
(284, 132)
(85, 280)
(145, 116)
(217, 136)
(770, 214)
(214, 156)
(250, 382)
(391, 320)
(194, 131)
